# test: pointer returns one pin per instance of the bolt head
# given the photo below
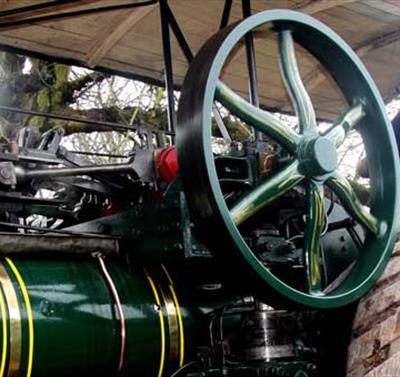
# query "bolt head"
(5, 173)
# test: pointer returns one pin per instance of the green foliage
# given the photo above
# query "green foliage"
(53, 87)
(61, 73)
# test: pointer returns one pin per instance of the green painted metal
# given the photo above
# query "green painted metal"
(314, 227)
(260, 119)
(75, 327)
(317, 157)
(342, 188)
(313, 154)
(156, 232)
(266, 192)
(294, 85)
(345, 122)
(338, 250)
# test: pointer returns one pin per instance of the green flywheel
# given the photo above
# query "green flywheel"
(312, 163)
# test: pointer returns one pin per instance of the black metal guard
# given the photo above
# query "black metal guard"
(251, 63)
(169, 75)
(180, 38)
(251, 58)
(226, 14)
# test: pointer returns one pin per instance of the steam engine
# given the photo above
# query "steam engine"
(187, 260)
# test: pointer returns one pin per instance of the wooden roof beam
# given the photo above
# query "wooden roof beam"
(110, 37)
(378, 41)
(315, 6)
(317, 75)
(311, 7)
(391, 92)
(5, 5)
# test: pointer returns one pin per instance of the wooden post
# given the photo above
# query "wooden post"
(375, 345)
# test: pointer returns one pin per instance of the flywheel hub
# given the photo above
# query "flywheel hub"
(318, 157)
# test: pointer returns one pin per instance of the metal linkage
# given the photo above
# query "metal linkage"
(60, 232)
(99, 154)
(69, 118)
(82, 170)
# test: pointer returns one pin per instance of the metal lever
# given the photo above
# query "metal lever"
(23, 174)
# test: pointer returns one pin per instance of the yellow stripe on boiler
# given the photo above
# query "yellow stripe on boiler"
(28, 307)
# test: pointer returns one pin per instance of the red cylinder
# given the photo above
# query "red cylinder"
(167, 164)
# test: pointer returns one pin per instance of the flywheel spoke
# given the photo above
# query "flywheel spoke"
(342, 188)
(266, 192)
(344, 123)
(314, 227)
(294, 85)
(259, 119)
